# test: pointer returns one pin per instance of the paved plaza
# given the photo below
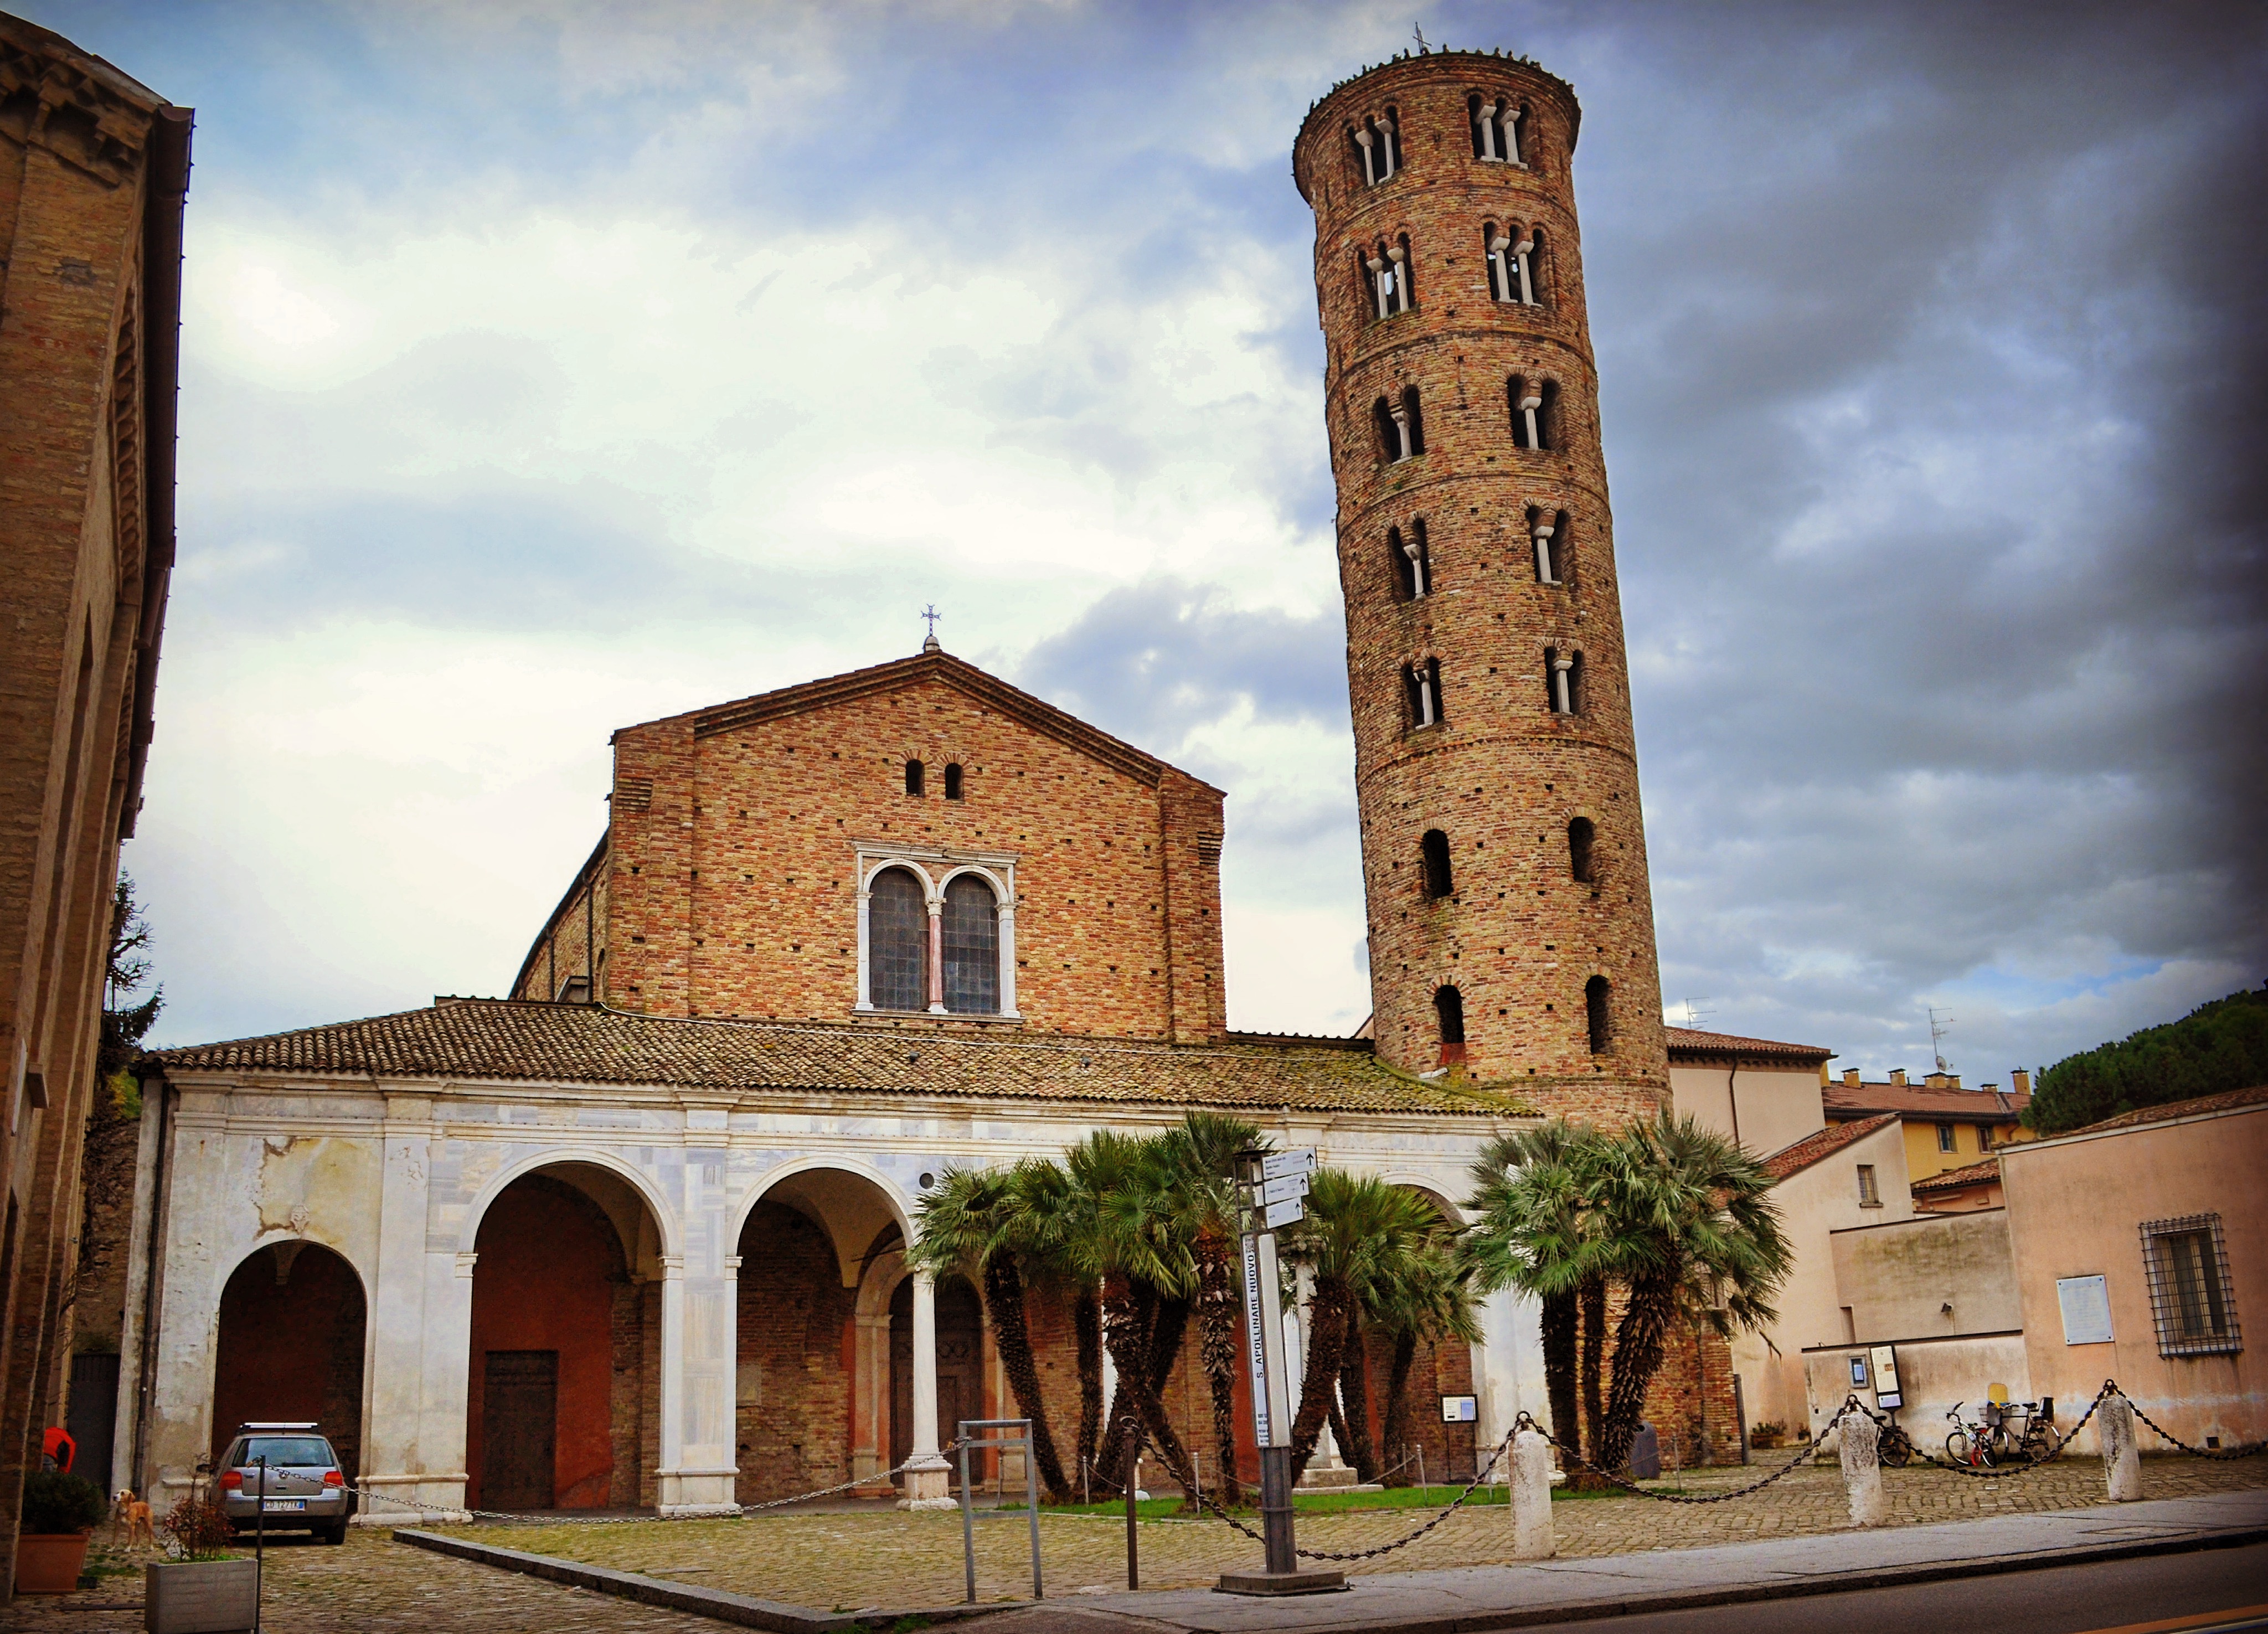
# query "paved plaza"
(846, 1561)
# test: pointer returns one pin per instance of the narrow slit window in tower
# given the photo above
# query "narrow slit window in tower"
(913, 777)
(953, 781)
(1580, 836)
(1434, 849)
(1548, 530)
(1414, 420)
(1449, 1010)
(1597, 1008)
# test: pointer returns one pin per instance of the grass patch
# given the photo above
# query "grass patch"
(1339, 1503)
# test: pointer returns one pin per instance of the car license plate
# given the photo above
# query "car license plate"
(283, 1505)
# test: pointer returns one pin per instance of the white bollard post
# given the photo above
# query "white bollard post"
(1531, 1497)
(2122, 1459)
(1860, 1441)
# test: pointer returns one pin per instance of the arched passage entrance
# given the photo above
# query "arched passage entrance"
(291, 1346)
(563, 1396)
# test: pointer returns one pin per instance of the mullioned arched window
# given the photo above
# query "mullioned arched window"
(971, 941)
(897, 942)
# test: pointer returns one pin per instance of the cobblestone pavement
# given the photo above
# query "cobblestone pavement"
(370, 1583)
(849, 1560)
(843, 1562)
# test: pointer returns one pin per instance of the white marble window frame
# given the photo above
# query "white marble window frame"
(935, 870)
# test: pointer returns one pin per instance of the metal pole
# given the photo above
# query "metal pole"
(1421, 1470)
(260, 1541)
(968, 1519)
(1276, 1509)
(1032, 1506)
(1133, 1550)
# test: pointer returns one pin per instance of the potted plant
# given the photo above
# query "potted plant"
(204, 1591)
(1766, 1435)
(60, 1513)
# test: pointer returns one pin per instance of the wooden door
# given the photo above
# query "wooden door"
(519, 1420)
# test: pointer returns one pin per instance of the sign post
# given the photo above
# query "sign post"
(1272, 1189)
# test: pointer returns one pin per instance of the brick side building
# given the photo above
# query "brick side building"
(1504, 852)
(93, 168)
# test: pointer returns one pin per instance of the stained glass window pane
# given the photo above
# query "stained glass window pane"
(897, 943)
(972, 948)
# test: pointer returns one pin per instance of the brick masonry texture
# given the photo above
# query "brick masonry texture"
(1501, 776)
(729, 884)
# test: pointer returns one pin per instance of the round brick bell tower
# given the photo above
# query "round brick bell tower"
(1504, 855)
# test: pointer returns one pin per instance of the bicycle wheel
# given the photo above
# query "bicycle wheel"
(1956, 1446)
(1896, 1451)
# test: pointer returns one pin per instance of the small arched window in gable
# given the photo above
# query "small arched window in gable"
(1421, 684)
(1598, 1010)
(1580, 836)
(971, 940)
(1449, 1011)
(1379, 141)
(1413, 568)
(1434, 849)
(897, 942)
(1549, 531)
(953, 781)
(914, 781)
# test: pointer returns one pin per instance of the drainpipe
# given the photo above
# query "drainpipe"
(159, 1199)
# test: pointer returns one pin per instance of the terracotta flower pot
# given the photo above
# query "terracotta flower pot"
(49, 1562)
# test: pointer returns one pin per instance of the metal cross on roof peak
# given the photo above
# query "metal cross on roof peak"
(930, 642)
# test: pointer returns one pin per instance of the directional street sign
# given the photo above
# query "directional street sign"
(1275, 1165)
(1284, 1190)
(1281, 1214)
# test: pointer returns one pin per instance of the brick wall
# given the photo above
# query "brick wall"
(1501, 776)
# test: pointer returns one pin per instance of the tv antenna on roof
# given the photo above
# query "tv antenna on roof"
(1695, 1015)
(1938, 1027)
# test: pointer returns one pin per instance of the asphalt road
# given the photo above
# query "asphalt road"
(2203, 1590)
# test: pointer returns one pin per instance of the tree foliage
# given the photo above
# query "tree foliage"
(2215, 1048)
(125, 1020)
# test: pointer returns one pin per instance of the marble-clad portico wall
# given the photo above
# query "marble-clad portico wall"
(396, 1176)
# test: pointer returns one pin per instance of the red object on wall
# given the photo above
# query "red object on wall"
(544, 1282)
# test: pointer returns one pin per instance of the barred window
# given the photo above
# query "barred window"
(897, 942)
(2187, 1262)
(972, 947)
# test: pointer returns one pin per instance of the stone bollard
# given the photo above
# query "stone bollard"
(1531, 1498)
(1861, 1442)
(2122, 1459)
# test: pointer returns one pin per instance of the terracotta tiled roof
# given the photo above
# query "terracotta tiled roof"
(1827, 1142)
(2227, 1101)
(1953, 1179)
(1685, 1041)
(493, 1039)
(1918, 1100)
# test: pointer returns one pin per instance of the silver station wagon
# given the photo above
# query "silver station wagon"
(305, 1489)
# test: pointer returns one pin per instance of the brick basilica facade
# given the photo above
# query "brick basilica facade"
(636, 1235)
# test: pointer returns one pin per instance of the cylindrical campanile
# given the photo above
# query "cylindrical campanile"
(1504, 855)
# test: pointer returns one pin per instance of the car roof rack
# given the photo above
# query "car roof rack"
(242, 1428)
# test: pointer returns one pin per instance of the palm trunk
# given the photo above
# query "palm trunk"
(1593, 1297)
(1354, 1399)
(1640, 1340)
(1560, 1347)
(1004, 1300)
(1087, 1326)
(1216, 1348)
(1397, 1398)
(1327, 1318)
(1134, 1350)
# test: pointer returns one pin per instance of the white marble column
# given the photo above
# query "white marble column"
(701, 1479)
(929, 1477)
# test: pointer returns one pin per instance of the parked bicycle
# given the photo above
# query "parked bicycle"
(1985, 1444)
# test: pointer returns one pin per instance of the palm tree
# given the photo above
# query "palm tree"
(1413, 1238)
(1538, 1228)
(1432, 1301)
(1691, 1226)
(1355, 1231)
(1203, 1150)
(1128, 1241)
(968, 1224)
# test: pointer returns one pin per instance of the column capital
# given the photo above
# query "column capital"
(465, 1261)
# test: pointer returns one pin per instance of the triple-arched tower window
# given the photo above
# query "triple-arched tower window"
(1386, 269)
(1498, 123)
(1515, 262)
(1379, 141)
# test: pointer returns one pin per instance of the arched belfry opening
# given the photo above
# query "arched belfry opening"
(563, 1394)
(292, 1323)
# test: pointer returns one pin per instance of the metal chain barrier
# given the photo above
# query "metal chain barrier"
(1455, 1504)
(2251, 1450)
(1780, 1474)
(557, 1520)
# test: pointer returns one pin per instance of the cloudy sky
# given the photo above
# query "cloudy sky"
(549, 367)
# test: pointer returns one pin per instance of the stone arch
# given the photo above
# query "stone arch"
(290, 1342)
(566, 1388)
(670, 1229)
